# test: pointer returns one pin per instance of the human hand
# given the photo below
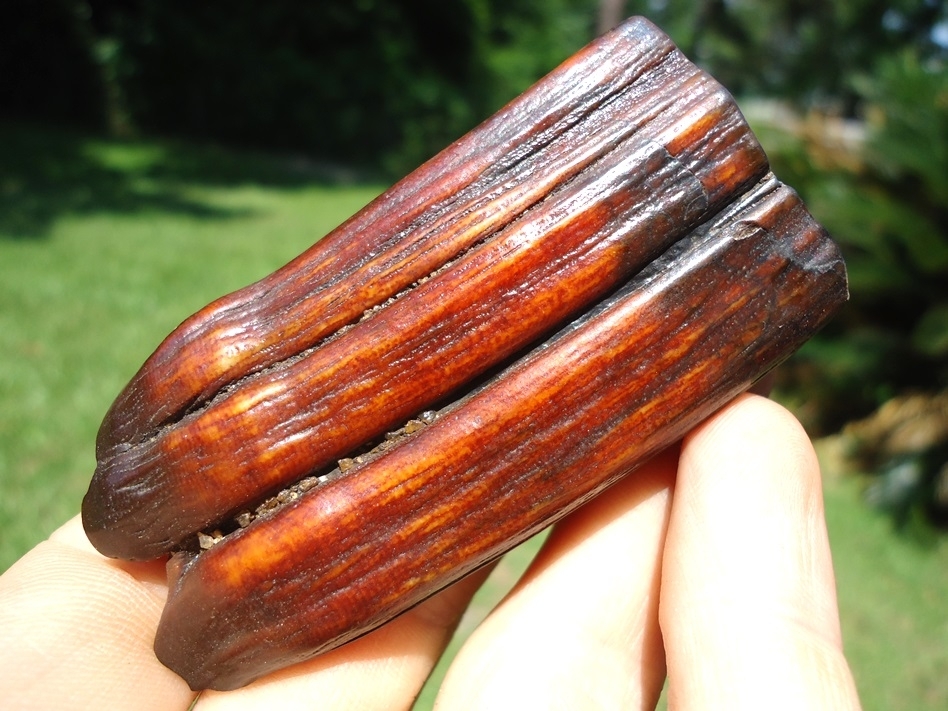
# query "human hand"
(712, 565)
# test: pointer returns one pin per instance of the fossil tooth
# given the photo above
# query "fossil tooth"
(495, 340)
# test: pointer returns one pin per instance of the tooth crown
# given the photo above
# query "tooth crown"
(572, 286)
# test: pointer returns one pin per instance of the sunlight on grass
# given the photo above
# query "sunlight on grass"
(123, 157)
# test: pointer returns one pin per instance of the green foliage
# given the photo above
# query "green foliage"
(387, 83)
(340, 80)
(372, 82)
(808, 51)
(526, 39)
(888, 209)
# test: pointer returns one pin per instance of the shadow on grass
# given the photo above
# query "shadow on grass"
(47, 173)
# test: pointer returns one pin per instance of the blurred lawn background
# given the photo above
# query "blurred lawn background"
(109, 237)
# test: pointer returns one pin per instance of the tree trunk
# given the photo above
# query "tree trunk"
(610, 15)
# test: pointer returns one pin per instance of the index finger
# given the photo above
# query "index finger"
(748, 608)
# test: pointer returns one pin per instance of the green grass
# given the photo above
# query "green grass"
(893, 597)
(105, 246)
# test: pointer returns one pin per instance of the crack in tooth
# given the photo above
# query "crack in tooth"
(346, 465)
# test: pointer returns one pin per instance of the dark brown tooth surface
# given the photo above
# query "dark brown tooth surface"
(600, 97)
(695, 328)
(586, 179)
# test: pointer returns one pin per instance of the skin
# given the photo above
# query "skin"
(711, 565)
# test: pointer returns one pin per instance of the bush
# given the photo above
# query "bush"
(888, 209)
(370, 82)
(47, 64)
